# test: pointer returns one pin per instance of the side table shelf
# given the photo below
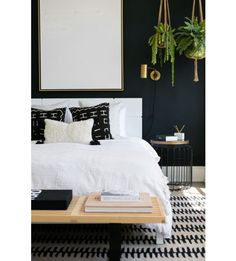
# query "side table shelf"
(176, 162)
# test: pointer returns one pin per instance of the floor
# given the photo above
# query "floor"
(90, 243)
(197, 187)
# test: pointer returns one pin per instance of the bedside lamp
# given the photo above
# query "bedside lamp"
(154, 75)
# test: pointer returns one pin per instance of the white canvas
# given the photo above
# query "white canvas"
(81, 44)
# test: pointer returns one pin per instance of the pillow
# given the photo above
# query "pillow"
(80, 132)
(117, 117)
(38, 117)
(68, 116)
(100, 114)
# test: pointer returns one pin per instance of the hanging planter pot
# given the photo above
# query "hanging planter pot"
(196, 53)
(163, 42)
(190, 38)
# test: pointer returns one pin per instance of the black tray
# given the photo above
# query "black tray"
(50, 199)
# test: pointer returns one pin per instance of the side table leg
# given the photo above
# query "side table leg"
(159, 238)
(115, 242)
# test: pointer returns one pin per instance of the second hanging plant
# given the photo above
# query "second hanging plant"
(163, 42)
(190, 38)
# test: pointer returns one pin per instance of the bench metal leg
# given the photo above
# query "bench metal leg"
(159, 238)
(115, 242)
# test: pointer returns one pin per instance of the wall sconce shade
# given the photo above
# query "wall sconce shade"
(143, 71)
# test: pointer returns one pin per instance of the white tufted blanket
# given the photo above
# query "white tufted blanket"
(120, 164)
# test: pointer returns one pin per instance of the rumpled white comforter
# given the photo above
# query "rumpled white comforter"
(120, 164)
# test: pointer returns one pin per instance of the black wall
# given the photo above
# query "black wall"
(182, 104)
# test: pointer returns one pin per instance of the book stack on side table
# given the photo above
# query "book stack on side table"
(166, 138)
(124, 203)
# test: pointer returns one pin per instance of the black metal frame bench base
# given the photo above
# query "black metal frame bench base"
(115, 242)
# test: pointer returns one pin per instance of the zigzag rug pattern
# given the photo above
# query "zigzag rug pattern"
(90, 242)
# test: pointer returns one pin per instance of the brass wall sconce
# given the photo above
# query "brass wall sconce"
(154, 75)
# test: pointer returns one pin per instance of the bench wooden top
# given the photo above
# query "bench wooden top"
(75, 214)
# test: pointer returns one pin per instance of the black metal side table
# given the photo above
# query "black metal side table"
(176, 162)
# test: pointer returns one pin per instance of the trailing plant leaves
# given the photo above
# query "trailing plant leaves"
(153, 43)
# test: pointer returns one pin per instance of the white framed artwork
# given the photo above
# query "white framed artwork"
(80, 45)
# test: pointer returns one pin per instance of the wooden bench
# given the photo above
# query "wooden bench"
(75, 214)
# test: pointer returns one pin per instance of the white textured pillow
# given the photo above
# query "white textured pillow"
(59, 132)
(68, 116)
(117, 113)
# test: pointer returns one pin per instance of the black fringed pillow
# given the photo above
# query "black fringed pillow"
(37, 120)
(100, 114)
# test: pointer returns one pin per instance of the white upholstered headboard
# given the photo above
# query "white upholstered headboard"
(133, 110)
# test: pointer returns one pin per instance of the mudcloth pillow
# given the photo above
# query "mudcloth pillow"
(37, 120)
(100, 114)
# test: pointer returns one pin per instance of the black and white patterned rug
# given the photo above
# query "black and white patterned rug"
(90, 242)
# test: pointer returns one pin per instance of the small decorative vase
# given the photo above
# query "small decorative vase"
(179, 135)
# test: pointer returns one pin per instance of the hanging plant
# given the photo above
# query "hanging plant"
(163, 41)
(190, 38)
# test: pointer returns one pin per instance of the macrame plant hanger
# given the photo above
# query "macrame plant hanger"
(196, 79)
(166, 14)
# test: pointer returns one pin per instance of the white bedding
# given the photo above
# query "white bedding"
(120, 164)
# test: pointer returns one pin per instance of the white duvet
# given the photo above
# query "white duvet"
(120, 164)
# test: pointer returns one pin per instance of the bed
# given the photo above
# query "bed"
(124, 163)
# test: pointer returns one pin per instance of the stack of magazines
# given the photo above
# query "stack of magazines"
(119, 196)
(117, 202)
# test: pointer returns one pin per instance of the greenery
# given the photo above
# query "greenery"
(163, 43)
(190, 39)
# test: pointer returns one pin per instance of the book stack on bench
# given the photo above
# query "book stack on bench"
(118, 202)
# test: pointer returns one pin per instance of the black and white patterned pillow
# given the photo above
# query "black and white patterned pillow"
(38, 117)
(100, 114)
